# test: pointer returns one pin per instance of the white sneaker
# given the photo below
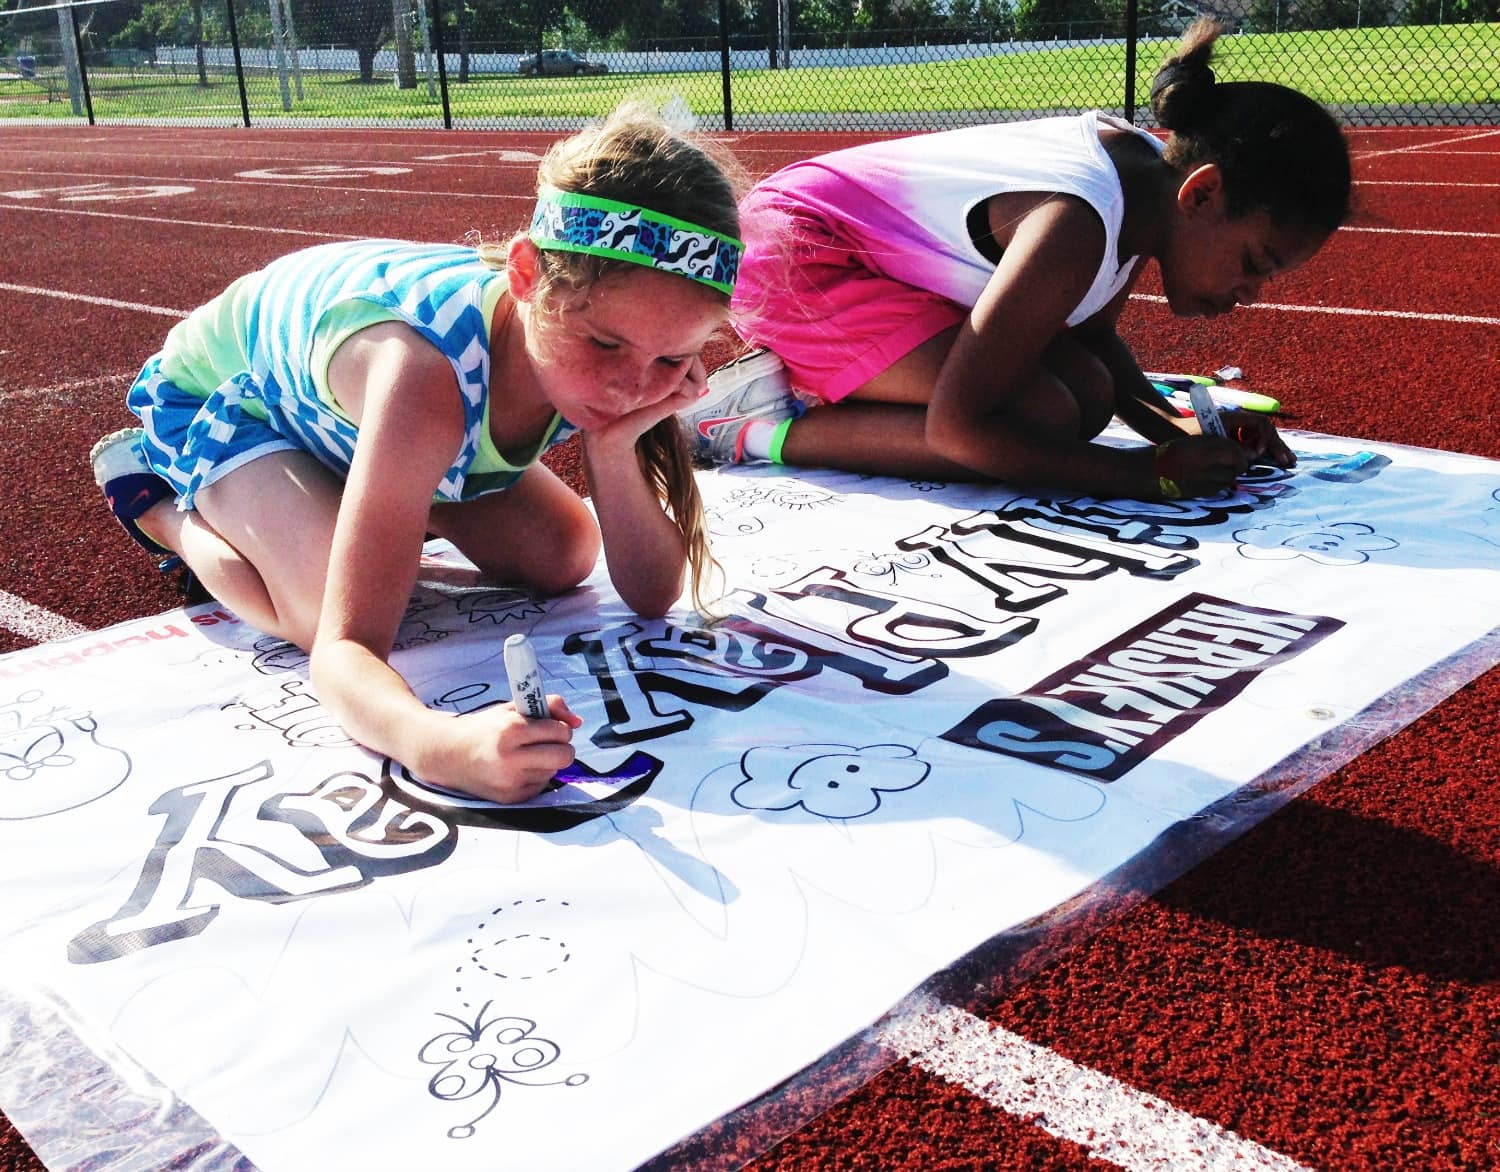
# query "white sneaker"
(749, 389)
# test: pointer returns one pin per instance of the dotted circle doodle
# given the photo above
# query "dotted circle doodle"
(496, 953)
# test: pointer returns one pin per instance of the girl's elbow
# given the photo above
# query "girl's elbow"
(947, 437)
(653, 604)
(651, 599)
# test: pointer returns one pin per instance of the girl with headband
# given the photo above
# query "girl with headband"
(953, 297)
(302, 433)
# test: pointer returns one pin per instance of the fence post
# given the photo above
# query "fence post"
(83, 69)
(239, 68)
(1132, 25)
(724, 64)
(437, 43)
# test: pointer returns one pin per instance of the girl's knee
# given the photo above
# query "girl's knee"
(1087, 389)
(1094, 392)
(1050, 406)
(566, 565)
(552, 564)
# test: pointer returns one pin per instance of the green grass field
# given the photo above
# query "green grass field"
(1453, 66)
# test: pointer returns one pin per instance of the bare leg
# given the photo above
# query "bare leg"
(879, 439)
(537, 533)
(259, 540)
(880, 428)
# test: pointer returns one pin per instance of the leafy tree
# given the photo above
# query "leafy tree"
(1059, 19)
(999, 15)
(1452, 11)
(367, 25)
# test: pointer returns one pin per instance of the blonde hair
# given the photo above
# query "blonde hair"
(635, 157)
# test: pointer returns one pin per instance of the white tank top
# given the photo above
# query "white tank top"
(905, 203)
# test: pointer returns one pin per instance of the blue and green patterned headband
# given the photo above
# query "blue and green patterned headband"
(567, 222)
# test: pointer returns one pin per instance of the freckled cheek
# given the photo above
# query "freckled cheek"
(664, 381)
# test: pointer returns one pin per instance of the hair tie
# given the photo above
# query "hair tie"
(565, 221)
(1181, 73)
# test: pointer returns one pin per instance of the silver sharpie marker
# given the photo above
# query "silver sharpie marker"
(1206, 412)
(525, 677)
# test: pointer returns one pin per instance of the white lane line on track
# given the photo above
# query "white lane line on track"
(1405, 315)
(274, 231)
(34, 622)
(269, 231)
(1399, 314)
(419, 192)
(1424, 146)
(1419, 183)
(110, 301)
(1423, 232)
(120, 379)
(1110, 1120)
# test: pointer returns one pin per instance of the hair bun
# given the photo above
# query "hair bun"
(1180, 92)
(1184, 73)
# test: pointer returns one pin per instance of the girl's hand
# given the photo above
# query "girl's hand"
(629, 428)
(500, 755)
(1198, 466)
(1258, 436)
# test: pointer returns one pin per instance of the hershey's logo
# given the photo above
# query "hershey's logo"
(1102, 715)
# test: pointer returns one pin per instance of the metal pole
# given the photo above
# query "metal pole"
(437, 43)
(239, 67)
(724, 63)
(83, 69)
(1132, 27)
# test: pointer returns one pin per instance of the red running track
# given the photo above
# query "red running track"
(1327, 987)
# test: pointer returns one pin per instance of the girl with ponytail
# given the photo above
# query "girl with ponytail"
(303, 432)
(944, 306)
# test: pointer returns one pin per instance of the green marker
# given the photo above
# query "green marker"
(1245, 400)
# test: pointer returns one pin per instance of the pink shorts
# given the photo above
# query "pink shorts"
(805, 293)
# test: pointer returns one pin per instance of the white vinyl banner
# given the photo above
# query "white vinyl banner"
(925, 714)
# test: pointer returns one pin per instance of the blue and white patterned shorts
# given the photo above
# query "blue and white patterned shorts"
(192, 441)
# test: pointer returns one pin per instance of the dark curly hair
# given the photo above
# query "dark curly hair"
(1278, 150)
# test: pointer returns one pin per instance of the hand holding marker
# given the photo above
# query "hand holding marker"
(529, 698)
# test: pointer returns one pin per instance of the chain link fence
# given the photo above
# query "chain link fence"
(735, 64)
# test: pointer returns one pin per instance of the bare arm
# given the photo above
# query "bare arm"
(644, 548)
(404, 396)
(1136, 400)
(1051, 254)
(1204, 466)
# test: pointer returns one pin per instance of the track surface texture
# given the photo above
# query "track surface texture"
(1323, 992)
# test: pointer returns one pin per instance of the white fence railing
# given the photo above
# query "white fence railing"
(344, 60)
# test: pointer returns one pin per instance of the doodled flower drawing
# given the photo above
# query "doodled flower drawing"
(483, 1056)
(1340, 543)
(830, 781)
(51, 759)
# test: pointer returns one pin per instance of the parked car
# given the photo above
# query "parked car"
(559, 62)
